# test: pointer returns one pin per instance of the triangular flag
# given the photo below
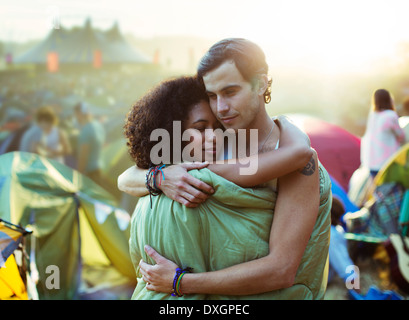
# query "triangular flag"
(122, 218)
(101, 211)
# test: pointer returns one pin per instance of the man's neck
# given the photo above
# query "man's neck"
(264, 126)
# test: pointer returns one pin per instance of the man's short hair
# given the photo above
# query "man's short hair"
(246, 55)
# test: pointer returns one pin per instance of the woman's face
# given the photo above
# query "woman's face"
(202, 119)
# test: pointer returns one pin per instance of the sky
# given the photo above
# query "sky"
(335, 35)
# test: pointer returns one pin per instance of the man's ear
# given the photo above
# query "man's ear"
(262, 83)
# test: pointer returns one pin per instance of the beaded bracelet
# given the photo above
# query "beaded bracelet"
(150, 181)
(177, 280)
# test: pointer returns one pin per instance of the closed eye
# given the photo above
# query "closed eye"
(211, 96)
(230, 92)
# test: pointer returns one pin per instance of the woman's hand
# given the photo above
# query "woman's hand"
(291, 134)
(158, 277)
(182, 187)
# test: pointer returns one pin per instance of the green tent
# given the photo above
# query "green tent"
(387, 208)
(80, 236)
(115, 161)
(396, 169)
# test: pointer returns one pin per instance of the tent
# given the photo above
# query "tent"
(79, 45)
(387, 208)
(12, 286)
(116, 160)
(80, 236)
(339, 192)
(396, 169)
(338, 150)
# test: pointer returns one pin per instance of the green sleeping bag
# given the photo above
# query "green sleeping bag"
(231, 227)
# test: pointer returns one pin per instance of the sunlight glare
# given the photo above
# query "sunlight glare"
(332, 36)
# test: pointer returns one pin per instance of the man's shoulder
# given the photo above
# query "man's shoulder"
(325, 182)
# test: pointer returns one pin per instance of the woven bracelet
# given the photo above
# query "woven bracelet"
(178, 279)
(150, 182)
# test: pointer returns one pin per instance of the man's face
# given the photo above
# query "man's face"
(232, 98)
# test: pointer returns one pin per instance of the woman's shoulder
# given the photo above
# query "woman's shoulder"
(389, 113)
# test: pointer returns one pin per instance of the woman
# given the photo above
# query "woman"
(233, 225)
(383, 135)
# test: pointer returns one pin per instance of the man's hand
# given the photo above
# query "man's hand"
(182, 187)
(158, 277)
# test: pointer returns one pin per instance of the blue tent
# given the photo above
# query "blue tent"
(339, 192)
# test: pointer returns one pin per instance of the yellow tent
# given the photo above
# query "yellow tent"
(11, 283)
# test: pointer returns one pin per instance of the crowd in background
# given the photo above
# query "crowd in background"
(68, 116)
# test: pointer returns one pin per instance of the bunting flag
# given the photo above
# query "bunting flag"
(103, 210)
(52, 61)
(97, 59)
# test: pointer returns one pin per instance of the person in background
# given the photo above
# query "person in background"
(90, 142)
(383, 135)
(45, 137)
(404, 119)
(30, 138)
(339, 259)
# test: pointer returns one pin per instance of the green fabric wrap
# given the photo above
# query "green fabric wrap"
(231, 227)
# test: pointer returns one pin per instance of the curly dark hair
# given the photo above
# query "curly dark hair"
(169, 101)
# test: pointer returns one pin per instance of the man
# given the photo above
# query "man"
(234, 73)
(90, 142)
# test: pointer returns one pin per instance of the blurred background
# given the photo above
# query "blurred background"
(326, 59)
